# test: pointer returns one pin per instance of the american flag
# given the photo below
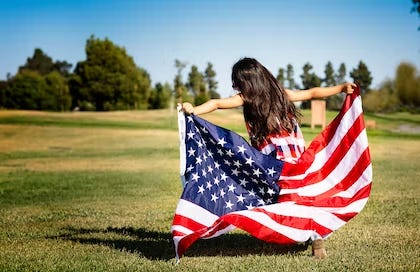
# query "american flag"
(229, 184)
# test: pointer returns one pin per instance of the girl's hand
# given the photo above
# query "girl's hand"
(348, 88)
(187, 107)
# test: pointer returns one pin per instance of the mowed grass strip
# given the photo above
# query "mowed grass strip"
(102, 198)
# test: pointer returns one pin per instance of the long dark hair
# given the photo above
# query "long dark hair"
(267, 109)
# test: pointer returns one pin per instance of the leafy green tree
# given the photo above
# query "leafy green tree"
(195, 81)
(58, 91)
(27, 90)
(280, 76)
(39, 62)
(416, 8)
(210, 80)
(109, 79)
(385, 99)
(329, 79)
(341, 75)
(407, 85)
(180, 89)
(40, 84)
(160, 96)
(309, 79)
(197, 86)
(43, 64)
(290, 77)
(333, 102)
(3, 86)
(202, 96)
(63, 67)
(362, 75)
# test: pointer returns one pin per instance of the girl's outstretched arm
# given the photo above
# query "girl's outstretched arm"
(320, 92)
(214, 104)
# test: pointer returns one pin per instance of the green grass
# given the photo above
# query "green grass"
(97, 192)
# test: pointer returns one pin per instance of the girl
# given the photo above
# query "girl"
(270, 115)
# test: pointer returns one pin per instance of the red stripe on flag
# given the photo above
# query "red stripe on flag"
(297, 222)
(185, 242)
(257, 229)
(318, 144)
(331, 163)
(346, 216)
(354, 174)
(187, 222)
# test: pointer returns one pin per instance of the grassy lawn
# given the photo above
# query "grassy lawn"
(97, 192)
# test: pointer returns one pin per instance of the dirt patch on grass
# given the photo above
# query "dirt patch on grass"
(405, 128)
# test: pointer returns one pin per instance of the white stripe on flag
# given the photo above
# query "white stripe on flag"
(201, 215)
(292, 233)
(363, 180)
(219, 232)
(182, 147)
(181, 229)
(338, 174)
(354, 207)
(345, 125)
(319, 215)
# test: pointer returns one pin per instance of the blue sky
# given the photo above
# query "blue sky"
(156, 32)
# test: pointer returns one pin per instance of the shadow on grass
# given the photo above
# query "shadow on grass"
(156, 245)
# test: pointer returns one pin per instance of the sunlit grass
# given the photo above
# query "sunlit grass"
(101, 197)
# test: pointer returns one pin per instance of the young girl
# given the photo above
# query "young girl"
(270, 115)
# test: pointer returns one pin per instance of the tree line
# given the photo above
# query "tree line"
(109, 79)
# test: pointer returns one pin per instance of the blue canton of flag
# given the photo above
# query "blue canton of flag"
(224, 173)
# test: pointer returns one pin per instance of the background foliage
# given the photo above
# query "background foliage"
(109, 79)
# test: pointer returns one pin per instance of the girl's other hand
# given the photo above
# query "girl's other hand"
(187, 107)
(348, 88)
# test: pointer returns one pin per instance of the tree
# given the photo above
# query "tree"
(40, 84)
(290, 77)
(43, 64)
(202, 96)
(109, 79)
(58, 91)
(341, 75)
(195, 81)
(180, 90)
(63, 67)
(280, 76)
(27, 91)
(309, 79)
(3, 86)
(160, 96)
(407, 85)
(197, 86)
(333, 102)
(361, 75)
(39, 62)
(329, 79)
(416, 7)
(384, 99)
(210, 80)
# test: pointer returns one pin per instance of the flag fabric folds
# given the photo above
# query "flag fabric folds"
(229, 184)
